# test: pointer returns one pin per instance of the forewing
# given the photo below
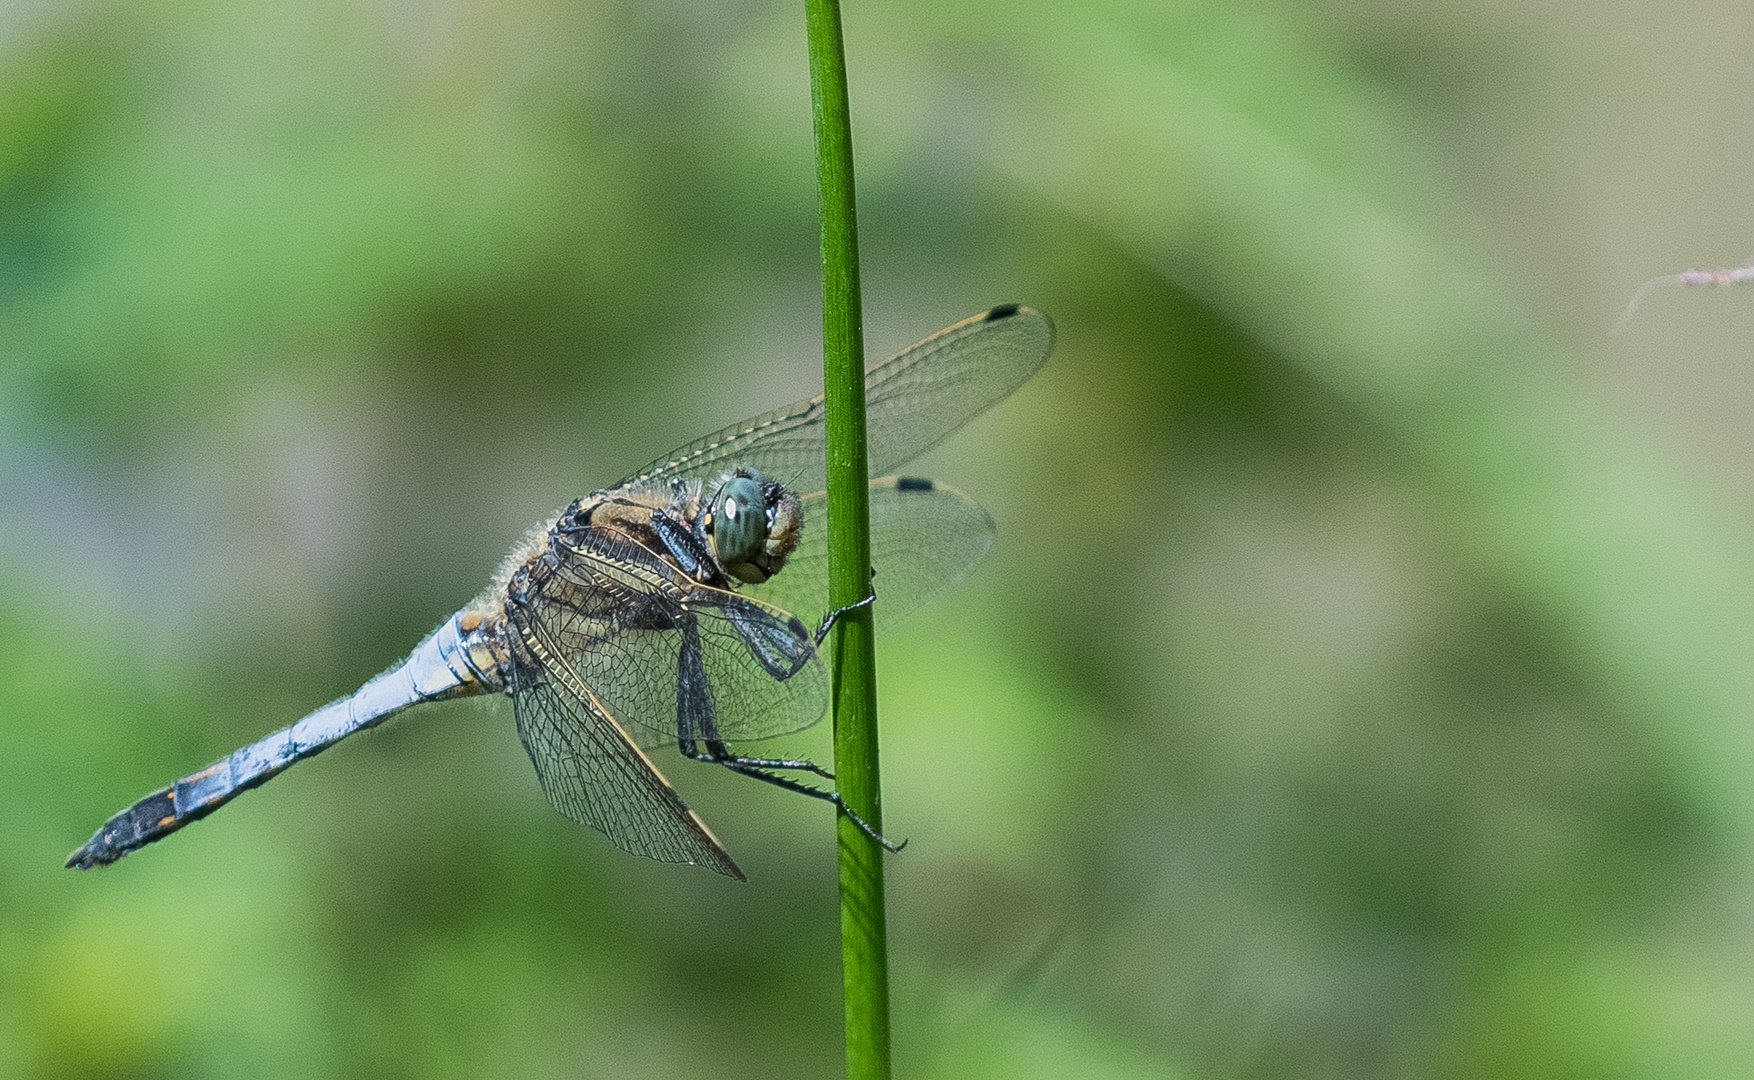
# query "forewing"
(925, 537)
(918, 397)
(615, 611)
(912, 401)
(763, 677)
(761, 666)
(592, 771)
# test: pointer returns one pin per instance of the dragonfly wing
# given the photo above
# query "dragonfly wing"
(925, 537)
(592, 771)
(758, 664)
(761, 669)
(784, 443)
(913, 401)
(616, 614)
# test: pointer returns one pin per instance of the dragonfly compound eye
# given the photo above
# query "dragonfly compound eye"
(739, 523)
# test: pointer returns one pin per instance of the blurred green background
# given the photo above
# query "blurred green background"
(1362, 684)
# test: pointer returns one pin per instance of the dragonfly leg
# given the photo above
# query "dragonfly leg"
(716, 753)
(834, 616)
(797, 764)
(865, 826)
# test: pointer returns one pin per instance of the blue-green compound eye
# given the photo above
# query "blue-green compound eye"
(740, 524)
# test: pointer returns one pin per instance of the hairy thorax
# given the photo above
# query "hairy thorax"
(654, 539)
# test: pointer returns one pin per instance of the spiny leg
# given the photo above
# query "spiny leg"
(834, 616)
(834, 797)
(797, 764)
(717, 753)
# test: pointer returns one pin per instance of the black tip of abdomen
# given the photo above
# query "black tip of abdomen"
(94, 852)
(132, 829)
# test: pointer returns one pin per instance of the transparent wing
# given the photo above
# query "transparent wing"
(925, 537)
(666, 655)
(912, 401)
(591, 770)
(757, 667)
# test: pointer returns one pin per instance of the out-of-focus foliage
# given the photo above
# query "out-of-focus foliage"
(1362, 686)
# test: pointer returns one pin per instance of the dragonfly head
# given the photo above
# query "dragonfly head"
(753, 524)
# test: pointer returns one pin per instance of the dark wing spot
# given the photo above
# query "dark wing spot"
(912, 483)
(1003, 311)
(797, 628)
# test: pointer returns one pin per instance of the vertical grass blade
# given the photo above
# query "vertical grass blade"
(864, 946)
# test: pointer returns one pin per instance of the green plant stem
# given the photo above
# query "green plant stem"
(864, 946)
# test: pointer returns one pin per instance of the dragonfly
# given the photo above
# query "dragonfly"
(675, 608)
